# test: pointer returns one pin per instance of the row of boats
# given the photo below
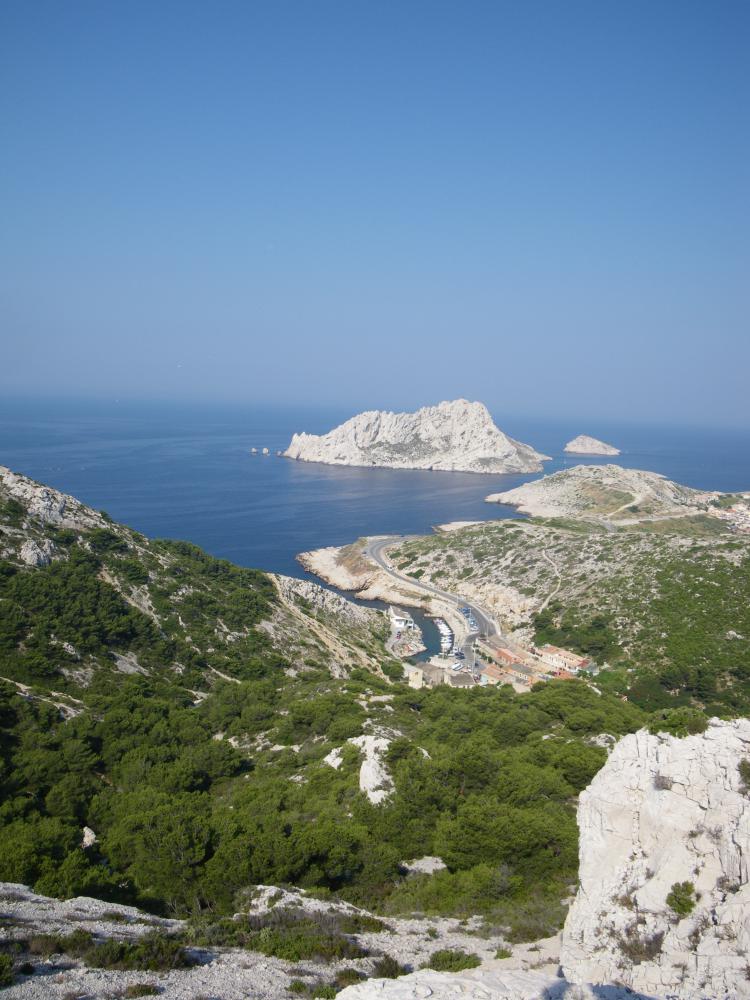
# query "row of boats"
(448, 642)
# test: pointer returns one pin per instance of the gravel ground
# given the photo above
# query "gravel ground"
(222, 974)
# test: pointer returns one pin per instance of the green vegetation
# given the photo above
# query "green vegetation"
(666, 604)
(155, 952)
(744, 769)
(593, 637)
(681, 898)
(447, 960)
(6, 971)
(388, 968)
(286, 934)
(138, 696)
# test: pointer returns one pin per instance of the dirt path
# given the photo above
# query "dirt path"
(556, 569)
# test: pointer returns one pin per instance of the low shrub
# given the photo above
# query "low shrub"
(286, 934)
(448, 960)
(681, 898)
(639, 948)
(348, 977)
(503, 953)
(154, 952)
(6, 970)
(388, 968)
(141, 990)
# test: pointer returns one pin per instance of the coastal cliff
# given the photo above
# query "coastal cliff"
(586, 445)
(456, 436)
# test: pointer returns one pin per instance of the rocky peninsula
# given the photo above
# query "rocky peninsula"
(604, 491)
(585, 445)
(456, 436)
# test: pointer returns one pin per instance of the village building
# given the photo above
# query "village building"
(459, 679)
(425, 675)
(414, 676)
(493, 674)
(561, 659)
(400, 620)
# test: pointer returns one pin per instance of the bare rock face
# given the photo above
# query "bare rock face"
(665, 812)
(585, 445)
(456, 436)
(325, 601)
(485, 983)
(47, 505)
(34, 554)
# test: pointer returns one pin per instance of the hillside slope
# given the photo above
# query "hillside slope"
(148, 699)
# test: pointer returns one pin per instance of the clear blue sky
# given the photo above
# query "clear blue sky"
(544, 205)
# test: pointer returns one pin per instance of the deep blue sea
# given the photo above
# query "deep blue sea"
(187, 472)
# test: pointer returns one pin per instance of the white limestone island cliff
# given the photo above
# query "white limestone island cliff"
(585, 445)
(456, 436)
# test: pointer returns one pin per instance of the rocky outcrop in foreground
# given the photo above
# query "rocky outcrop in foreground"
(664, 899)
(663, 908)
(585, 445)
(458, 436)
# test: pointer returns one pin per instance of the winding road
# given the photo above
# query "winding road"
(375, 549)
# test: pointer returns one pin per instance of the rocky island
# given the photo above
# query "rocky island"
(585, 445)
(456, 436)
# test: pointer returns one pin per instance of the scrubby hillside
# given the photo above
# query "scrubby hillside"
(665, 603)
(159, 749)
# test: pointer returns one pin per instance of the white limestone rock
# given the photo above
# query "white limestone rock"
(326, 601)
(89, 838)
(47, 505)
(456, 436)
(374, 779)
(427, 865)
(36, 553)
(586, 445)
(480, 984)
(661, 811)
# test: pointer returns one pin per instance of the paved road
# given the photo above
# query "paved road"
(375, 549)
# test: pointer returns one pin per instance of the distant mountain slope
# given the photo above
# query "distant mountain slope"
(456, 436)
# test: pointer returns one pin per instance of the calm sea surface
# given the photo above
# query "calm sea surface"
(188, 473)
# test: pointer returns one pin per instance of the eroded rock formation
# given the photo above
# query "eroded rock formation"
(456, 436)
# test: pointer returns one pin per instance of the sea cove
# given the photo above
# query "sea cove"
(182, 472)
